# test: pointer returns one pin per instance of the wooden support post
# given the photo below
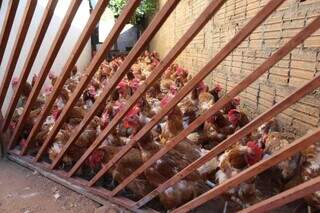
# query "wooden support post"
(233, 139)
(75, 54)
(14, 56)
(6, 28)
(35, 47)
(53, 52)
(285, 197)
(250, 27)
(91, 70)
(177, 49)
(254, 170)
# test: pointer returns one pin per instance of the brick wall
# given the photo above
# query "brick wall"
(291, 72)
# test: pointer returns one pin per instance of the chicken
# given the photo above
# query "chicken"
(234, 161)
(222, 124)
(178, 158)
(174, 123)
(215, 92)
(310, 168)
(26, 89)
(203, 97)
(123, 168)
(233, 104)
(53, 78)
(275, 143)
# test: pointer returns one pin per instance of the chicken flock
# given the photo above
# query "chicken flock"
(258, 145)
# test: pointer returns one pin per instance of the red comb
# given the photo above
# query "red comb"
(134, 111)
(180, 71)
(122, 84)
(165, 101)
(173, 89)
(201, 85)
(236, 100)
(257, 153)
(233, 111)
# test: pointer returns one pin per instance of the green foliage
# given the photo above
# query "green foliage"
(146, 8)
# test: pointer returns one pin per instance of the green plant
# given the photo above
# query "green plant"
(146, 8)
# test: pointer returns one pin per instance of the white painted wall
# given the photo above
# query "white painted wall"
(69, 42)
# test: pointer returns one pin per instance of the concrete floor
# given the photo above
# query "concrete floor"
(25, 191)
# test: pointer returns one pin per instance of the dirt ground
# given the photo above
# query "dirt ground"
(25, 191)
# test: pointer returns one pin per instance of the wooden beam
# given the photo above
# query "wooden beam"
(91, 70)
(16, 50)
(67, 69)
(140, 46)
(53, 52)
(6, 28)
(177, 49)
(285, 197)
(252, 171)
(34, 49)
(250, 27)
(233, 139)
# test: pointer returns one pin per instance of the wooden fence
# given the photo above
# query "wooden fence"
(158, 20)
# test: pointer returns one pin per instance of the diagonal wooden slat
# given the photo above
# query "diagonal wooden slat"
(14, 56)
(250, 27)
(254, 170)
(53, 51)
(78, 48)
(95, 63)
(6, 28)
(34, 49)
(276, 109)
(177, 49)
(285, 197)
(131, 58)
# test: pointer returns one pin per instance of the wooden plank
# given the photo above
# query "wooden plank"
(14, 56)
(34, 49)
(254, 170)
(233, 139)
(285, 197)
(253, 24)
(141, 44)
(1, 137)
(98, 194)
(67, 69)
(6, 28)
(53, 52)
(177, 49)
(93, 66)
